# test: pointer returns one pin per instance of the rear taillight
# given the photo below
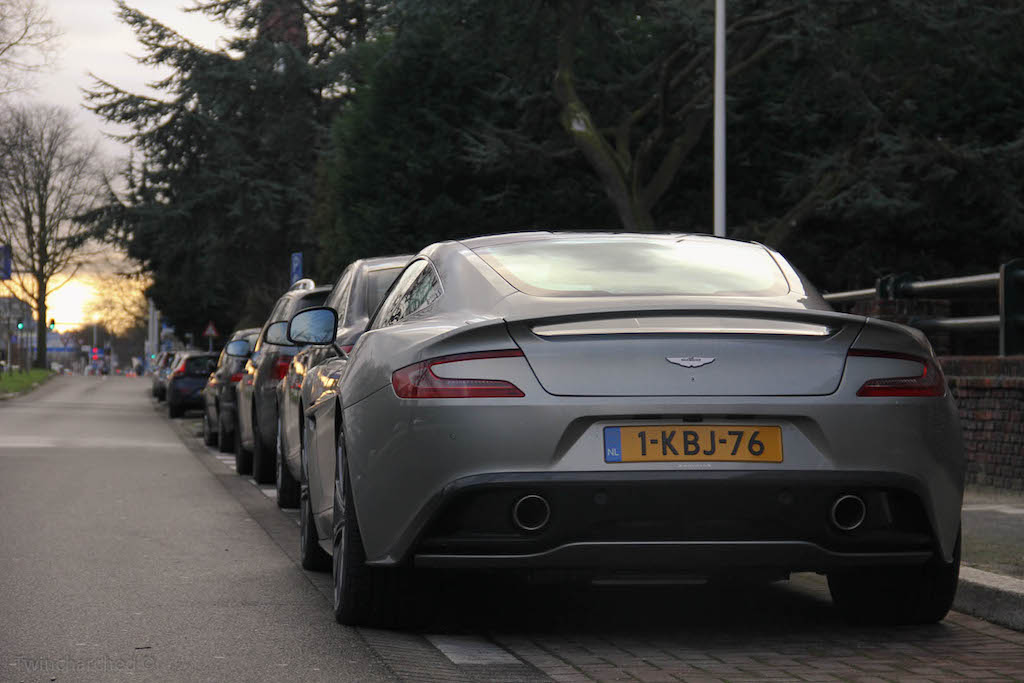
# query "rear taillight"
(180, 371)
(237, 377)
(347, 348)
(930, 382)
(281, 367)
(419, 381)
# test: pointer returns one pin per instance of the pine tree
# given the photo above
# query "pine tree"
(221, 194)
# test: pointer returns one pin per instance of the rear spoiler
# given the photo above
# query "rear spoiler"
(669, 319)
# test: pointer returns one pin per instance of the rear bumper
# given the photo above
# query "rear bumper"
(186, 394)
(679, 556)
(670, 521)
(408, 459)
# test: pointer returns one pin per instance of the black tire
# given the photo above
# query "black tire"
(363, 595)
(209, 436)
(262, 460)
(225, 437)
(243, 458)
(174, 410)
(288, 491)
(161, 394)
(897, 595)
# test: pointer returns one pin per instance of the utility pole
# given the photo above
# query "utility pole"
(154, 331)
(719, 118)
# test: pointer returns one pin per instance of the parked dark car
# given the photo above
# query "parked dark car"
(173, 359)
(160, 374)
(256, 432)
(359, 291)
(186, 380)
(220, 395)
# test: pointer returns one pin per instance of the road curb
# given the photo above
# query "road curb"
(993, 597)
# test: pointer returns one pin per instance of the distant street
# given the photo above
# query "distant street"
(130, 551)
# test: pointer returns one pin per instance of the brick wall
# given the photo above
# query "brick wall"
(990, 396)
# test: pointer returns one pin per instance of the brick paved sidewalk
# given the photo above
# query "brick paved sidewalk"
(814, 646)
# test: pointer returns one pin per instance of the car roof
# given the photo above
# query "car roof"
(241, 334)
(385, 262)
(299, 293)
(546, 235)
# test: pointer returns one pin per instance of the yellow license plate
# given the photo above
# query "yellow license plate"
(680, 443)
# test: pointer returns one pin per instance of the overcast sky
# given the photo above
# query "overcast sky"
(96, 41)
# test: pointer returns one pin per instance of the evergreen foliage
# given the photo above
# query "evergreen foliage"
(222, 195)
(855, 127)
(864, 137)
(404, 168)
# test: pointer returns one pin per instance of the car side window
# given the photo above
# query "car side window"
(338, 299)
(417, 288)
(275, 314)
(424, 291)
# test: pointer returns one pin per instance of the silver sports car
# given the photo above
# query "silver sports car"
(629, 405)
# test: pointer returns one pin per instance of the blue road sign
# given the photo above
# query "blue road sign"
(5, 262)
(296, 266)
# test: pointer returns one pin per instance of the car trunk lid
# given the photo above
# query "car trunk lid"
(726, 352)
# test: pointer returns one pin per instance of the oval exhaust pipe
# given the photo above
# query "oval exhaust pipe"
(848, 512)
(531, 513)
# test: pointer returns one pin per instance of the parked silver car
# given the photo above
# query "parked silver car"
(638, 404)
(357, 295)
(256, 393)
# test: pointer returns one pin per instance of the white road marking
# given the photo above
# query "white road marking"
(228, 461)
(1004, 509)
(269, 492)
(472, 650)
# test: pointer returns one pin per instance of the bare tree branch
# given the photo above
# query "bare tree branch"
(48, 178)
(28, 42)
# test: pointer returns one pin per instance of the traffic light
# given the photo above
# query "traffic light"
(21, 324)
(152, 356)
(53, 324)
(95, 353)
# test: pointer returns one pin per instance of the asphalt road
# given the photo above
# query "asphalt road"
(130, 551)
(122, 558)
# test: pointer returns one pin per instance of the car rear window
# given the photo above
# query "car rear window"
(200, 365)
(312, 300)
(377, 284)
(620, 266)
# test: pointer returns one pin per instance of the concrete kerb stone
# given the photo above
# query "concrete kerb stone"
(993, 597)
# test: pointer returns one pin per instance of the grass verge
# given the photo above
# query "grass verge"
(20, 382)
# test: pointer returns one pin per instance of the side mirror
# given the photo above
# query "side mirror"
(277, 333)
(314, 326)
(237, 349)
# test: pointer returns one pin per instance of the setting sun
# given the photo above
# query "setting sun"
(68, 306)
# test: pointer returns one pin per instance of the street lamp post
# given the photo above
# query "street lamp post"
(719, 118)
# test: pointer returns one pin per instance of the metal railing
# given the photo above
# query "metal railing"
(1008, 285)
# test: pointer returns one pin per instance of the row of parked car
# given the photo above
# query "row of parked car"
(592, 405)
